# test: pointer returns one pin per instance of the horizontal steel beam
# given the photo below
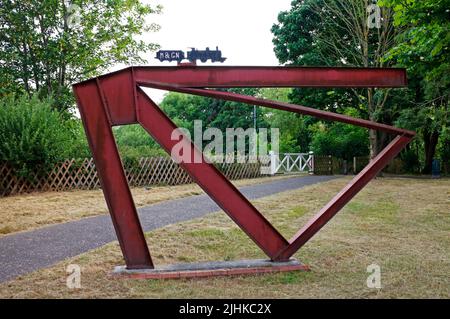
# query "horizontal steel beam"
(248, 76)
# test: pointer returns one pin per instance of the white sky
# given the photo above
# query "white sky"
(241, 29)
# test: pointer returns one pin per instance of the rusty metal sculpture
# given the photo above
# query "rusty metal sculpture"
(117, 99)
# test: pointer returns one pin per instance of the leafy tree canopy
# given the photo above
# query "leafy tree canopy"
(47, 45)
(423, 47)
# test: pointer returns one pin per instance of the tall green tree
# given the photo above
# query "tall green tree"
(337, 33)
(47, 45)
(423, 47)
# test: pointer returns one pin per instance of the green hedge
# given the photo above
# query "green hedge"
(34, 136)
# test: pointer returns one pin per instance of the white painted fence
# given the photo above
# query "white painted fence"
(289, 163)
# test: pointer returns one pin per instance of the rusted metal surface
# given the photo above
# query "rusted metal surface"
(344, 196)
(330, 116)
(112, 178)
(117, 98)
(243, 76)
(217, 186)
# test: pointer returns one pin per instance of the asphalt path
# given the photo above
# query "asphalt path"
(25, 252)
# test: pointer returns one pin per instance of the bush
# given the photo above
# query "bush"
(410, 161)
(134, 142)
(33, 136)
(133, 136)
(340, 140)
(79, 147)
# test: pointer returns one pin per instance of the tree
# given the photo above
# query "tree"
(47, 45)
(184, 109)
(295, 135)
(423, 47)
(336, 32)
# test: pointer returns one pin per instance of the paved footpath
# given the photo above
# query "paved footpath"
(25, 252)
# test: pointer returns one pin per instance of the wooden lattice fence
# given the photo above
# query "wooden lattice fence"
(81, 174)
(323, 165)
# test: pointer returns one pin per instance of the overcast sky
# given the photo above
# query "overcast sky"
(241, 29)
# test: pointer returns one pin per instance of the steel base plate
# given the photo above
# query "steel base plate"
(211, 269)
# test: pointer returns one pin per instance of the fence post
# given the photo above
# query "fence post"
(330, 164)
(311, 161)
(273, 162)
(354, 165)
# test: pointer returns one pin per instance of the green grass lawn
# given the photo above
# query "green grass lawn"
(400, 224)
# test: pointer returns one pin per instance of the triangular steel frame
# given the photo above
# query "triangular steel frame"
(117, 99)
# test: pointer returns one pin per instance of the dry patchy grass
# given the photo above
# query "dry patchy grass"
(31, 211)
(403, 225)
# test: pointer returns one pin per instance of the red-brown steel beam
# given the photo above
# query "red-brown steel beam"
(344, 196)
(230, 96)
(269, 76)
(217, 186)
(96, 120)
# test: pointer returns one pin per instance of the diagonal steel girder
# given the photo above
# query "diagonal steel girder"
(117, 99)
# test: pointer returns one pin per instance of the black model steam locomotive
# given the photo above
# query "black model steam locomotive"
(205, 55)
(192, 56)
